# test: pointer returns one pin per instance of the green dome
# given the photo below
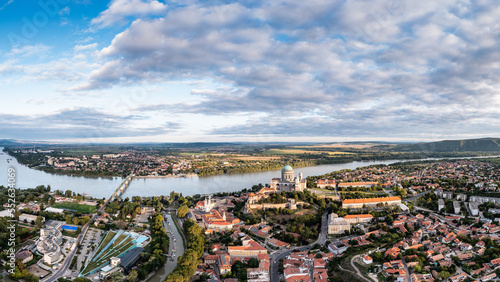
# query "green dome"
(287, 168)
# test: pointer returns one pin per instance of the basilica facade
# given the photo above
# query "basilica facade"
(288, 181)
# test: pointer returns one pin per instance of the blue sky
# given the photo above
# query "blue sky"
(253, 71)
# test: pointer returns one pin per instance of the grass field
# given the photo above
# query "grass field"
(343, 145)
(75, 206)
(255, 158)
(300, 151)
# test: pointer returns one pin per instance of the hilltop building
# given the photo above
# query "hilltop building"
(288, 181)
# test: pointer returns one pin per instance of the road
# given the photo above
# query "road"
(357, 270)
(281, 254)
(417, 196)
(65, 265)
(177, 245)
(408, 277)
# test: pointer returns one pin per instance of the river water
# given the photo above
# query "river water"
(169, 266)
(103, 186)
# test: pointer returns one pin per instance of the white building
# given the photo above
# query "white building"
(337, 249)
(208, 204)
(456, 207)
(337, 225)
(48, 245)
(28, 218)
(54, 210)
(462, 197)
(474, 208)
(440, 204)
(288, 181)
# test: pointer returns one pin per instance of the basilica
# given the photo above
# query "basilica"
(288, 181)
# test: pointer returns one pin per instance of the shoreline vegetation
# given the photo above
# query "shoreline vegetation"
(209, 164)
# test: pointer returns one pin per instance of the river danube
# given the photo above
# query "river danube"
(103, 186)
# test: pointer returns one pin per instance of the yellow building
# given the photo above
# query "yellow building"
(370, 202)
(358, 218)
(249, 249)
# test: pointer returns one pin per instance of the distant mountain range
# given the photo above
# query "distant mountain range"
(469, 145)
(7, 142)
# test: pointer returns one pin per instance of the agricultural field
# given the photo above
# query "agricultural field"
(76, 207)
(255, 158)
(301, 151)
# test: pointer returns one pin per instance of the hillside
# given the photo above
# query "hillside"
(470, 145)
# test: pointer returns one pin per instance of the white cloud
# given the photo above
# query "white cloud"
(87, 47)
(119, 10)
(29, 50)
(64, 11)
(374, 68)
(6, 4)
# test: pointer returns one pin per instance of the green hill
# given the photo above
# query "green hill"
(470, 145)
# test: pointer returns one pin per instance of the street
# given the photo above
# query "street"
(281, 254)
(65, 265)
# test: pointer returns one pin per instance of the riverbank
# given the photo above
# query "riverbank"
(178, 245)
(102, 187)
(189, 175)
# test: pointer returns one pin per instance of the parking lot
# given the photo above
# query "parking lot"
(37, 271)
(92, 238)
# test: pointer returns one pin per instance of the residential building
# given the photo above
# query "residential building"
(474, 208)
(224, 263)
(277, 243)
(456, 207)
(440, 204)
(147, 210)
(261, 273)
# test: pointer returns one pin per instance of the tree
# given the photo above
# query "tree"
(418, 268)
(81, 279)
(444, 274)
(68, 219)
(116, 276)
(31, 278)
(39, 221)
(132, 276)
(182, 211)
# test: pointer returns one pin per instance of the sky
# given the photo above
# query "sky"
(249, 71)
